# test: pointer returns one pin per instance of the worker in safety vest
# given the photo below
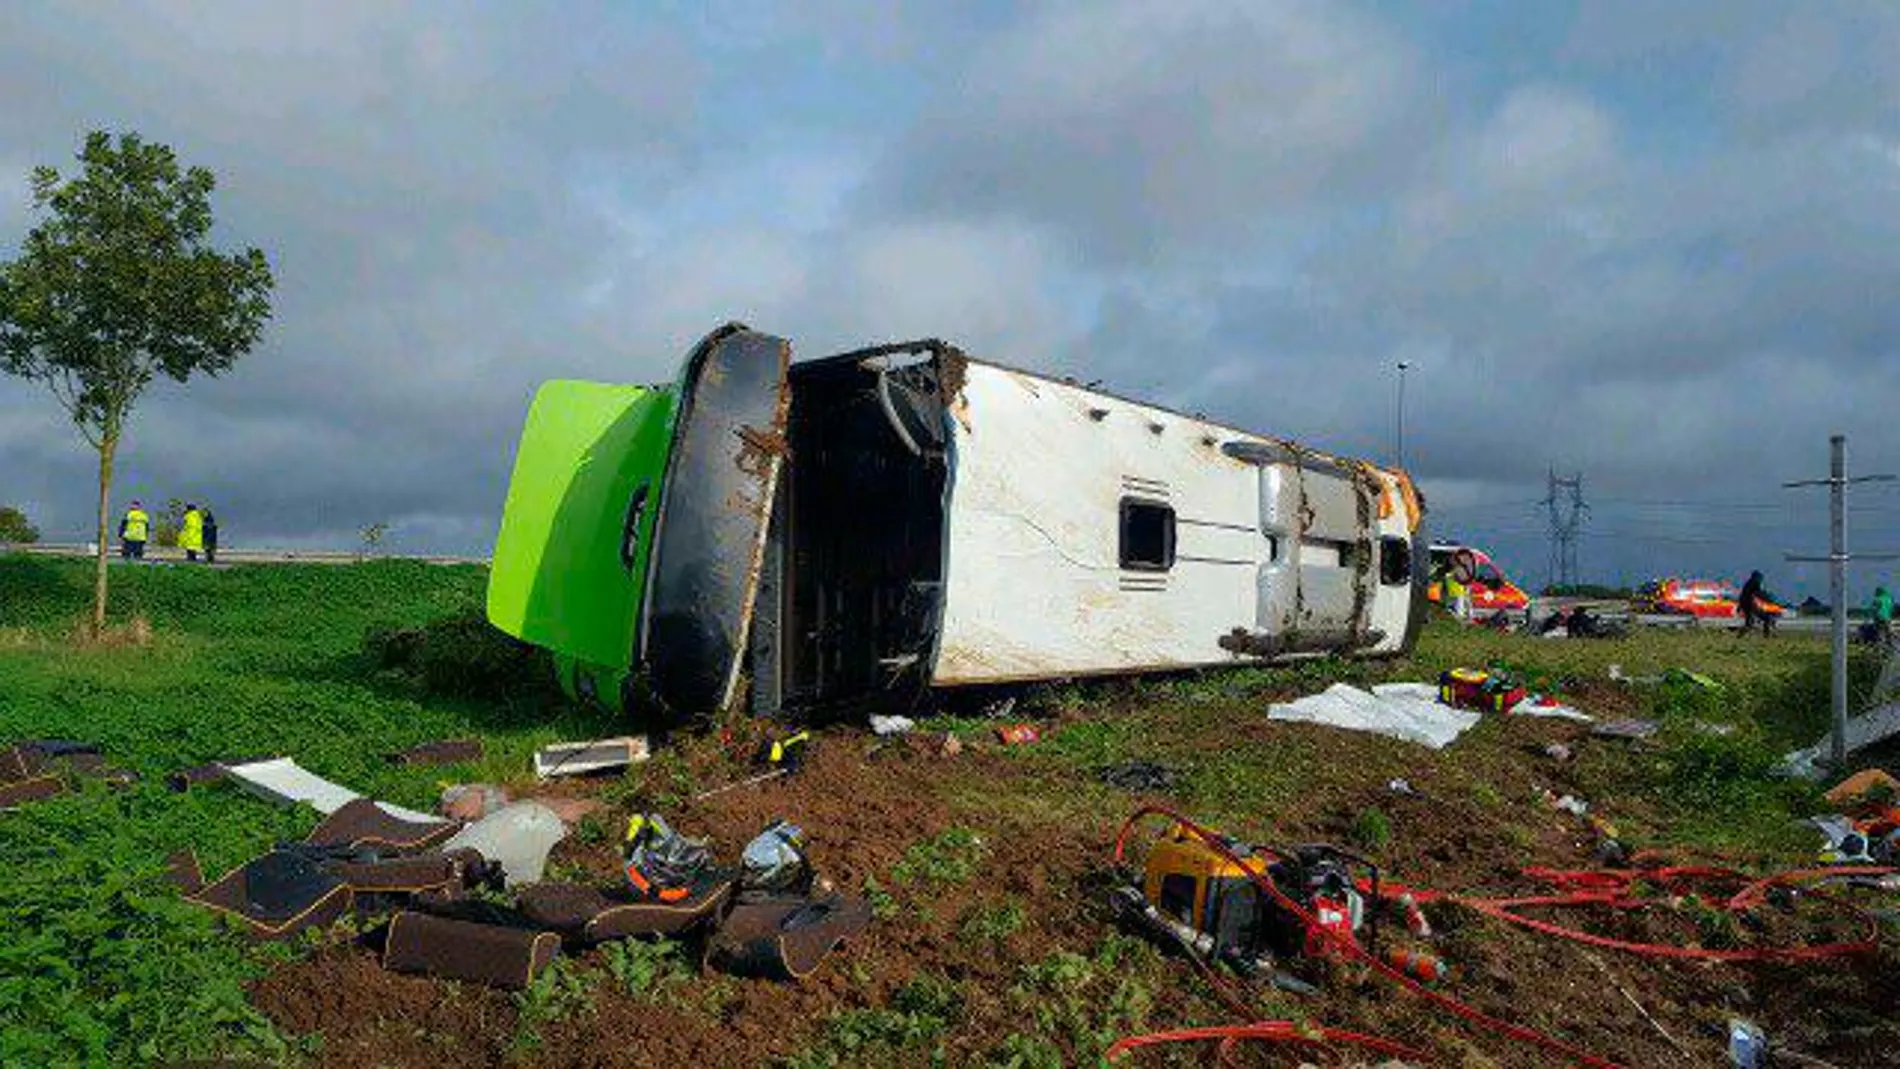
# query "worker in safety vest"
(133, 531)
(1881, 610)
(191, 532)
(1458, 578)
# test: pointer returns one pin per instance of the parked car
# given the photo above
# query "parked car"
(1712, 599)
(1491, 590)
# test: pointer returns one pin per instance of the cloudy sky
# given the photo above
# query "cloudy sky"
(1655, 244)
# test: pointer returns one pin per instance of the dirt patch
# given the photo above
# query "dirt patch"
(1017, 935)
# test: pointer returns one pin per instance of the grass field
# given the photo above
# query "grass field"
(981, 865)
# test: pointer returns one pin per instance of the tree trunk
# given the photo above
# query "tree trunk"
(107, 447)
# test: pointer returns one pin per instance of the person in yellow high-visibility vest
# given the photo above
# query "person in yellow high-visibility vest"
(191, 532)
(134, 529)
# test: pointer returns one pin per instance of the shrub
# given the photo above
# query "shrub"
(463, 656)
(1371, 829)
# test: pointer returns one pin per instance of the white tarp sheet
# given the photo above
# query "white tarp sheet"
(1409, 711)
(282, 779)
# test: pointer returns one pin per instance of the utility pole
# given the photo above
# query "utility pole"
(1564, 505)
(1837, 483)
(1403, 368)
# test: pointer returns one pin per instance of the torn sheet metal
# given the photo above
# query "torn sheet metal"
(580, 758)
(1873, 726)
(1408, 711)
(282, 779)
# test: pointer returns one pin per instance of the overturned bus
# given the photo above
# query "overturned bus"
(883, 525)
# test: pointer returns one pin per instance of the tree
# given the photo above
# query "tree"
(117, 285)
(372, 535)
(15, 527)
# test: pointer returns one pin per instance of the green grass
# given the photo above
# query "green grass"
(101, 962)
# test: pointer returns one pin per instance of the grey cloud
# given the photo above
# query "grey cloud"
(405, 171)
(1144, 128)
(1658, 250)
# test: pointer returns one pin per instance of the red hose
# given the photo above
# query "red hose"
(1350, 948)
(1268, 1031)
(1613, 890)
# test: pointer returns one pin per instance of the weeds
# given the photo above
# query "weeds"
(992, 924)
(1088, 1002)
(645, 969)
(564, 991)
(947, 858)
(919, 1014)
(1371, 829)
(883, 904)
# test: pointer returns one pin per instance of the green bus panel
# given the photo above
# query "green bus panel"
(570, 562)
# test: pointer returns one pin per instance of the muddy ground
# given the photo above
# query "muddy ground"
(1001, 952)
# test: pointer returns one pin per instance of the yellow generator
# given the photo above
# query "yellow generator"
(1193, 895)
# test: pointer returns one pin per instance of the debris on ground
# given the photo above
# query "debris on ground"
(493, 954)
(950, 746)
(440, 752)
(472, 801)
(1417, 964)
(1863, 731)
(583, 758)
(1408, 711)
(1480, 689)
(283, 780)
(780, 756)
(1140, 777)
(1018, 734)
(1544, 705)
(1557, 751)
(1667, 675)
(207, 773)
(1869, 784)
(516, 837)
(891, 725)
(1400, 786)
(1626, 729)
(785, 937)
(774, 861)
(1568, 803)
(1747, 1045)
(35, 769)
(660, 863)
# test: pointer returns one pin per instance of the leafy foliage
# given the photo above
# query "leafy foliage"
(15, 527)
(947, 858)
(118, 285)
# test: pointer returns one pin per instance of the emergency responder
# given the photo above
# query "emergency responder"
(211, 536)
(1458, 578)
(133, 531)
(1753, 605)
(191, 532)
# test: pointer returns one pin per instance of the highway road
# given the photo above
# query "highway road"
(155, 554)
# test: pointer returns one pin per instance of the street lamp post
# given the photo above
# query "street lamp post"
(1403, 367)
